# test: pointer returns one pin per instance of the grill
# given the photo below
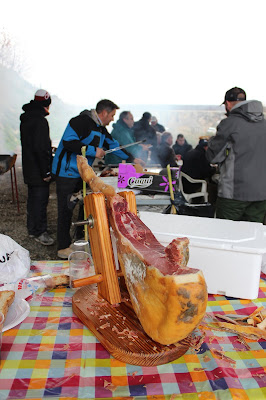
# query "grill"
(7, 161)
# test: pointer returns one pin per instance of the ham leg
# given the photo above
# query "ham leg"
(168, 297)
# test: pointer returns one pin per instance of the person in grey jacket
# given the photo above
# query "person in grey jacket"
(239, 149)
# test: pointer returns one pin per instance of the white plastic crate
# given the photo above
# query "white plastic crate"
(228, 252)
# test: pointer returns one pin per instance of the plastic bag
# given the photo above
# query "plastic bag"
(263, 264)
(14, 260)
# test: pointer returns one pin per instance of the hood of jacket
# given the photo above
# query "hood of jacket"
(33, 109)
(251, 110)
(93, 115)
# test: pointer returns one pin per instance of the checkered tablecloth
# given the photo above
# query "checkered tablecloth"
(51, 354)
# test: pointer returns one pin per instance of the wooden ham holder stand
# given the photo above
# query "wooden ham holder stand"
(108, 312)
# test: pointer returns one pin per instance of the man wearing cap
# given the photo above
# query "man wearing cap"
(87, 129)
(239, 149)
(36, 163)
(156, 126)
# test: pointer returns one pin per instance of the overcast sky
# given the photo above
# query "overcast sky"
(141, 51)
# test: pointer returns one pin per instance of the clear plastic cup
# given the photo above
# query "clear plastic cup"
(81, 245)
(80, 263)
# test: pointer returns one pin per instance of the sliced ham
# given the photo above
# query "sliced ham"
(168, 297)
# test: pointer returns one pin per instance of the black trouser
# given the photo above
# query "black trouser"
(64, 188)
(38, 197)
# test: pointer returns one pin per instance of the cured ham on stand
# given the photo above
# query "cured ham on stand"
(168, 299)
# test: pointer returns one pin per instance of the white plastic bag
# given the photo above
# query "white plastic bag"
(14, 260)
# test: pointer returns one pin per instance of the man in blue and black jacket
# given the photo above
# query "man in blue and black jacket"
(87, 129)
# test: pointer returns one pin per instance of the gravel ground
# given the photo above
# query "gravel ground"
(13, 224)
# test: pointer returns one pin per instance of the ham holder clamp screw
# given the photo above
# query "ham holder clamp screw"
(89, 221)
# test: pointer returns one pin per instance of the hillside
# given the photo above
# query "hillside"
(191, 120)
(15, 92)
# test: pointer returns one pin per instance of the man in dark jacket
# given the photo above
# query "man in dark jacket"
(87, 129)
(36, 163)
(166, 153)
(239, 149)
(196, 165)
(181, 146)
(143, 130)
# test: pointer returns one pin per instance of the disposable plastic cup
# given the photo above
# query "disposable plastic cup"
(80, 263)
(1, 329)
(81, 245)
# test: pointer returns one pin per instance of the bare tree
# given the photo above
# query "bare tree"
(9, 56)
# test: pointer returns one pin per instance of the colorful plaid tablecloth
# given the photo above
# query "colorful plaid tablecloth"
(51, 354)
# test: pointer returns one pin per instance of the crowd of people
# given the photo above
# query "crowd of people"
(236, 152)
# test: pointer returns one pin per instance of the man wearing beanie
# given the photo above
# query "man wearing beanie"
(36, 163)
(239, 149)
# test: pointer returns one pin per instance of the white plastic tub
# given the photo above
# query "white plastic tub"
(228, 252)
